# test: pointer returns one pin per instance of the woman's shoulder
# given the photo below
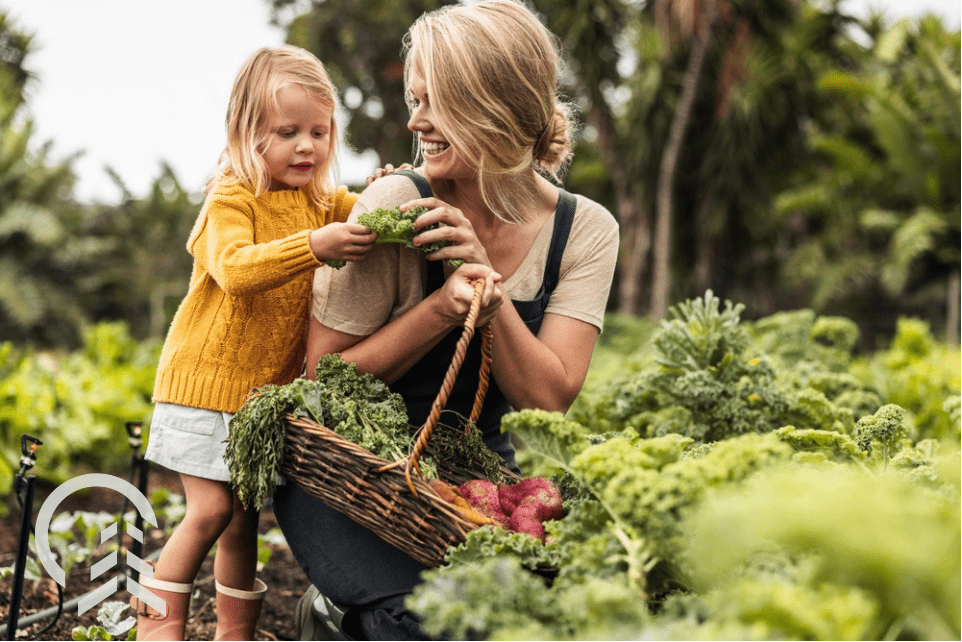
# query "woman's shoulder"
(592, 214)
(387, 192)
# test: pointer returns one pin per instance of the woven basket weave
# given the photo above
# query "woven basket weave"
(391, 498)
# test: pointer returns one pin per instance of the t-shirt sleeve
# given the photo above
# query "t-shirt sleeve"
(363, 296)
(587, 266)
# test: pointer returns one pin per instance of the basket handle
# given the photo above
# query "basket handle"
(411, 461)
(487, 336)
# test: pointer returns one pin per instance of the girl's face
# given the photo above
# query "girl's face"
(441, 159)
(298, 138)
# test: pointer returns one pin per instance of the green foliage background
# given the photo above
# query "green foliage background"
(797, 500)
(819, 170)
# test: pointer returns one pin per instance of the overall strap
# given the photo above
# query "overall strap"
(564, 215)
(424, 187)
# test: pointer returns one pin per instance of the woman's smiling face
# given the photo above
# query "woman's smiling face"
(442, 160)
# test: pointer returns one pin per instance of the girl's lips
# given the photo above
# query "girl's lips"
(303, 166)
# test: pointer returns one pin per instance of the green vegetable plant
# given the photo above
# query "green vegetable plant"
(733, 480)
(921, 376)
(395, 226)
(76, 403)
(114, 625)
(882, 434)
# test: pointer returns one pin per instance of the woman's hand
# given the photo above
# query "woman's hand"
(455, 296)
(456, 230)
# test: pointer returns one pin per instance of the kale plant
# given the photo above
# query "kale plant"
(395, 226)
(360, 408)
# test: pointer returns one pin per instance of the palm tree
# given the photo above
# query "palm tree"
(595, 37)
(38, 260)
(696, 21)
(881, 206)
(746, 108)
(146, 272)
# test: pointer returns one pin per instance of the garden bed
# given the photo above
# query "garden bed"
(285, 579)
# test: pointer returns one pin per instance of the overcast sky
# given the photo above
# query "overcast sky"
(131, 83)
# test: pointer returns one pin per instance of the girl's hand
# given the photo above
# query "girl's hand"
(342, 242)
(381, 172)
(456, 294)
(456, 230)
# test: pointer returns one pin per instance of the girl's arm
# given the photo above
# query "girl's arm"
(224, 242)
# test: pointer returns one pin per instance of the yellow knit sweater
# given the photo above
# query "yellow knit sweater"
(243, 322)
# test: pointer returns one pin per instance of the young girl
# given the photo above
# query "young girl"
(273, 214)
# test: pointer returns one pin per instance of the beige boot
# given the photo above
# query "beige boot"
(151, 625)
(237, 611)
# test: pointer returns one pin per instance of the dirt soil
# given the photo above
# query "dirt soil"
(285, 580)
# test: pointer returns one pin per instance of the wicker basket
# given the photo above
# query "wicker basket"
(391, 498)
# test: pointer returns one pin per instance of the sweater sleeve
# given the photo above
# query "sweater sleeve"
(224, 242)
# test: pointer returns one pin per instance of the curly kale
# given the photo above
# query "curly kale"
(360, 408)
(882, 432)
(651, 493)
(709, 382)
(395, 226)
(489, 542)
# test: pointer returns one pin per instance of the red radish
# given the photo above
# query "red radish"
(524, 520)
(546, 493)
(483, 496)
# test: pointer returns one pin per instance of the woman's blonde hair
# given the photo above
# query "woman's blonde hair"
(253, 101)
(491, 70)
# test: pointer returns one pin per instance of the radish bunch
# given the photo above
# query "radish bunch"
(520, 507)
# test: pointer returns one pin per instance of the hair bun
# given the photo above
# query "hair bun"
(552, 150)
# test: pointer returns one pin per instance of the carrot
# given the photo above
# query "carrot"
(447, 492)
(472, 515)
(450, 494)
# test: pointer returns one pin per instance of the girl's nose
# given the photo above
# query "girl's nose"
(304, 144)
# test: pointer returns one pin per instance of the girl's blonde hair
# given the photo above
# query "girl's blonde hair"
(253, 101)
(491, 70)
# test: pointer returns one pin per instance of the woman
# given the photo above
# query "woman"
(482, 84)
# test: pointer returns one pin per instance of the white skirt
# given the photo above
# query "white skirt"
(189, 440)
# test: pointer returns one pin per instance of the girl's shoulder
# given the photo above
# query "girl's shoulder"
(230, 192)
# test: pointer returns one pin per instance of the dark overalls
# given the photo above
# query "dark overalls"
(353, 567)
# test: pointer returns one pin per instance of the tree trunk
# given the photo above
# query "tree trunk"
(634, 222)
(633, 257)
(707, 241)
(952, 310)
(669, 162)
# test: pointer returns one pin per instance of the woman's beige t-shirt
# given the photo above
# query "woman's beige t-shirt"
(362, 297)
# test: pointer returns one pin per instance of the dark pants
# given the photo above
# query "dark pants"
(353, 567)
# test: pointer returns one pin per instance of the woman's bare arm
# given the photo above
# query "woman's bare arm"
(545, 371)
(393, 349)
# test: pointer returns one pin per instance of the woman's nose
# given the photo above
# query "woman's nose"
(418, 121)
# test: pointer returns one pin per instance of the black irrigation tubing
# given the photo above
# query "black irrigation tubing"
(50, 612)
